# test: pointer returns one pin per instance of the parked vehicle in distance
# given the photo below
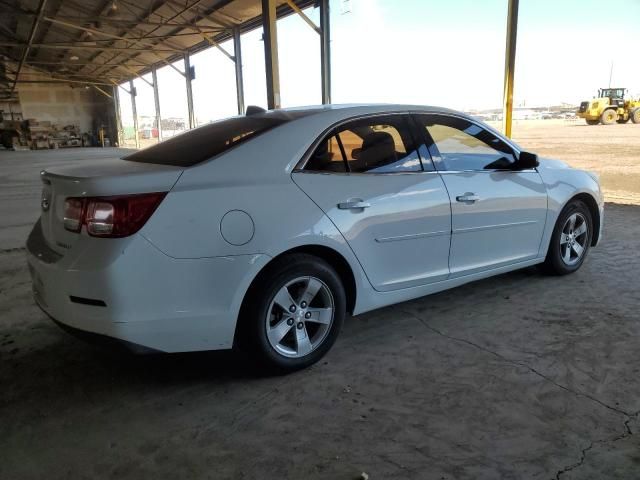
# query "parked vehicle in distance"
(265, 230)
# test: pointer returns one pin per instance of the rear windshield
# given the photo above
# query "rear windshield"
(204, 142)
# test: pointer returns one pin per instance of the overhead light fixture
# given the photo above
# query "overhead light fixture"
(74, 58)
(114, 6)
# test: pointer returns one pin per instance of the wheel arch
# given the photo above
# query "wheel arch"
(328, 254)
(592, 205)
(333, 258)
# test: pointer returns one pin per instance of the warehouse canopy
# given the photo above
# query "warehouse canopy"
(109, 41)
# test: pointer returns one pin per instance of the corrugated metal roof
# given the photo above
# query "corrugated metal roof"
(108, 41)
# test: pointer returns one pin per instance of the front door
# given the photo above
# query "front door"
(395, 215)
(498, 213)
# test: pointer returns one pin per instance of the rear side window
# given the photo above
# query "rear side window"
(202, 143)
(327, 157)
(371, 145)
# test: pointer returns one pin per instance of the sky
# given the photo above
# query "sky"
(447, 53)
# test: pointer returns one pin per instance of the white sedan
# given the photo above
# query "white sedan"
(264, 230)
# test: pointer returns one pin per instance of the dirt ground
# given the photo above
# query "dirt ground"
(518, 376)
(613, 151)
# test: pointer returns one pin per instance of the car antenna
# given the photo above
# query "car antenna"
(254, 110)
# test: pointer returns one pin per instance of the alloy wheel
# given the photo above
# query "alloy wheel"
(300, 317)
(573, 239)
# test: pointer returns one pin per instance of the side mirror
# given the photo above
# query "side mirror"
(527, 160)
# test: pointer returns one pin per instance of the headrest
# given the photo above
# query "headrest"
(377, 148)
(382, 140)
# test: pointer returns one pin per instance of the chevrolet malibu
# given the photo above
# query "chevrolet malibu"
(265, 230)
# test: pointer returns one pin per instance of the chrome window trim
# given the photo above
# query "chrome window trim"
(506, 170)
(313, 172)
(299, 168)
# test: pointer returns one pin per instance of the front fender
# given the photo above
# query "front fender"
(563, 184)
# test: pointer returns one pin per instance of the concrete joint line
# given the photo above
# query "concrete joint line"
(11, 250)
(627, 415)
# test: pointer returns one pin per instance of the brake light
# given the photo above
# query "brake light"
(118, 216)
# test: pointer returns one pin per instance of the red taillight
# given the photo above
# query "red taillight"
(118, 216)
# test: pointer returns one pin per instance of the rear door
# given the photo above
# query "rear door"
(368, 178)
(498, 213)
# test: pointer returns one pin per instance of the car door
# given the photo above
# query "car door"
(498, 212)
(367, 176)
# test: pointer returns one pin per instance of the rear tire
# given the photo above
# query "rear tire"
(570, 240)
(293, 313)
(609, 117)
(635, 115)
(592, 122)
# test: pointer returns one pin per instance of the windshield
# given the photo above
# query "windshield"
(203, 143)
(612, 92)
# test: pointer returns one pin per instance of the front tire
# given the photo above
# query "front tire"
(609, 117)
(293, 313)
(635, 115)
(571, 239)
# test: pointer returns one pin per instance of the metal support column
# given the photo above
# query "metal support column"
(325, 51)
(188, 78)
(270, 36)
(116, 101)
(156, 101)
(237, 50)
(132, 93)
(509, 66)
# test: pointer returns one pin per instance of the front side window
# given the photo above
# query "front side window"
(371, 145)
(463, 145)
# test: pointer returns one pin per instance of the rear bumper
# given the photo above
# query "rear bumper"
(104, 340)
(140, 295)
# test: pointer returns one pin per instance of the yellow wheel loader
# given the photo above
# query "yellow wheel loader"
(610, 107)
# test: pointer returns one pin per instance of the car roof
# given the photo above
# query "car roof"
(351, 109)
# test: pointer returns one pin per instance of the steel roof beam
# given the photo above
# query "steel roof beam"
(204, 35)
(195, 3)
(27, 47)
(86, 29)
(71, 63)
(120, 21)
(309, 22)
(86, 47)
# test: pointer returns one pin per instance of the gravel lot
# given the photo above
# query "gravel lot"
(518, 376)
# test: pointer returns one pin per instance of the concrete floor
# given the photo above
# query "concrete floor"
(519, 376)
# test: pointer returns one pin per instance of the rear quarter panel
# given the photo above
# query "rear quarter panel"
(187, 224)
